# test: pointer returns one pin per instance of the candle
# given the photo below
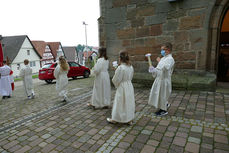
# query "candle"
(149, 60)
(115, 64)
(94, 57)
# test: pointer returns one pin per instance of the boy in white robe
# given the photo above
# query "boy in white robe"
(162, 86)
(123, 110)
(101, 97)
(5, 81)
(26, 75)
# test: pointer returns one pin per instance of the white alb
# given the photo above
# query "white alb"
(5, 81)
(61, 81)
(102, 89)
(162, 86)
(26, 75)
(123, 110)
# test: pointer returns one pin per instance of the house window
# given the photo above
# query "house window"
(28, 52)
(32, 64)
(18, 66)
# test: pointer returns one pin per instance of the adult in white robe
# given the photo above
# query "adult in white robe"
(61, 82)
(101, 96)
(123, 110)
(5, 81)
(162, 86)
(26, 75)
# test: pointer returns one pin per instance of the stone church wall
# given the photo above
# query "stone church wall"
(141, 26)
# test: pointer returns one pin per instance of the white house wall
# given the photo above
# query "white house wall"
(22, 55)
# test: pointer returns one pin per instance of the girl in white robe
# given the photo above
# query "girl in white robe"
(26, 75)
(60, 73)
(123, 110)
(101, 97)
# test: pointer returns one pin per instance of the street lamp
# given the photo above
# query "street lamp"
(85, 24)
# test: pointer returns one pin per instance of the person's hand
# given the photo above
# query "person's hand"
(151, 69)
(158, 59)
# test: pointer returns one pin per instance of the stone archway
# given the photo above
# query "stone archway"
(218, 12)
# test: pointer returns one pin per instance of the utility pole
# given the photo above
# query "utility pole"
(85, 24)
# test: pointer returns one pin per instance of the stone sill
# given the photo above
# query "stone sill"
(181, 80)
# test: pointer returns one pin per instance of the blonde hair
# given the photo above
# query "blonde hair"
(63, 64)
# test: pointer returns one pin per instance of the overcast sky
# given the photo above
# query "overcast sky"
(51, 20)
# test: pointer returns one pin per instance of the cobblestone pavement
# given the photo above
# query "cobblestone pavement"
(197, 122)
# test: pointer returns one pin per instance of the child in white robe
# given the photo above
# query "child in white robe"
(60, 73)
(101, 97)
(26, 75)
(5, 82)
(162, 86)
(123, 110)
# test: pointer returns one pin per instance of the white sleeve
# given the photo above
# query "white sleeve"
(56, 72)
(169, 64)
(117, 78)
(132, 73)
(155, 72)
(98, 66)
(22, 73)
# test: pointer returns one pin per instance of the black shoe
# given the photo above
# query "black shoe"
(4, 97)
(8, 96)
(158, 112)
(162, 113)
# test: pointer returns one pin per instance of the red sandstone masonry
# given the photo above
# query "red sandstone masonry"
(126, 33)
(120, 3)
(156, 30)
(146, 11)
(190, 22)
(142, 32)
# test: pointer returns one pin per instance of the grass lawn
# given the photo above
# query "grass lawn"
(19, 79)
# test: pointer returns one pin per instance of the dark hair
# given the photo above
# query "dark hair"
(26, 61)
(4, 61)
(124, 57)
(168, 45)
(103, 53)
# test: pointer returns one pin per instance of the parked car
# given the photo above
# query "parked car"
(47, 71)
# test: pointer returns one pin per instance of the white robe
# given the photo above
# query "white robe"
(162, 86)
(61, 81)
(102, 89)
(26, 75)
(5, 81)
(124, 103)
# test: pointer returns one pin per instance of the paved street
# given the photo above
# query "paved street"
(197, 122)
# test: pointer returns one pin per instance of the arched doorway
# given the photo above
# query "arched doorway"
(223, 61)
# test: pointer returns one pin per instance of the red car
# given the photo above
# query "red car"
(46, 73)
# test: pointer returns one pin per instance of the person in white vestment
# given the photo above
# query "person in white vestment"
(26, 75)
(123, 110)
(101, 96)
(60, 73)
(5, 81)
(162, 86)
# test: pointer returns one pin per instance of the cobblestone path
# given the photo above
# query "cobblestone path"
(197, 122)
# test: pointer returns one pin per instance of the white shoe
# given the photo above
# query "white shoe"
(33, 96)
(66, 99)
(29, 97)
(168, 105)
(110, 120)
